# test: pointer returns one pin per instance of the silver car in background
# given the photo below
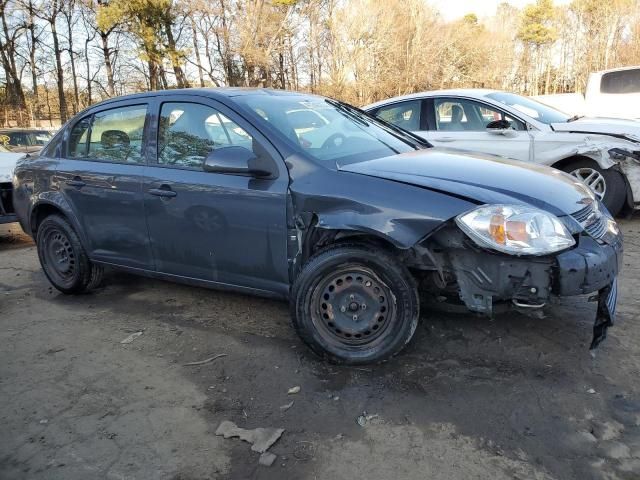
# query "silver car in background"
(603, 153)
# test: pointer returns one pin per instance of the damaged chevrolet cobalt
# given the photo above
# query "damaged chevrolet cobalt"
(309, 199)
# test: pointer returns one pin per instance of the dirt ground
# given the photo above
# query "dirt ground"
(469, 399)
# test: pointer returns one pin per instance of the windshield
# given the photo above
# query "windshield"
(531, 108)
(330, 131)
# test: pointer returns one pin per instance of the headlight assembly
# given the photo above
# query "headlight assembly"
(515, 229)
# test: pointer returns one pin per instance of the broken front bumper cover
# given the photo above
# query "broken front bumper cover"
(486, 279)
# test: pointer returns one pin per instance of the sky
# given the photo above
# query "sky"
(452, 9)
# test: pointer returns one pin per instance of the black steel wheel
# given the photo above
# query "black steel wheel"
(355, 304)
(63, 258)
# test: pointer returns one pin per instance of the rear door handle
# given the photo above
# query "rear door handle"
(444, 139)
(163, 191)
(76, 182)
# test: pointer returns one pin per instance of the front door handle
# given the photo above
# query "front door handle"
(444, 139)
(163, 191)
(76, 182)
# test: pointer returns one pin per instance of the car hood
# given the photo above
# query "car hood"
(480, 179)
(616, 127)
(7, 164)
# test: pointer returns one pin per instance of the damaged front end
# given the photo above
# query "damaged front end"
(486, 281)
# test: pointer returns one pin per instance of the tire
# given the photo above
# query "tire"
(615, 187)
(328, 297)
(63, 258)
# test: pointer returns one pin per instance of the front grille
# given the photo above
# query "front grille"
(592, 220)
(6, 199)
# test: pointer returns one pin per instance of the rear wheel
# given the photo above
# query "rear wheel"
(354, 304)
(608, 185)
(63, 259)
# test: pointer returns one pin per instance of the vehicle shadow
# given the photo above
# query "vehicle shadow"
(12, 236)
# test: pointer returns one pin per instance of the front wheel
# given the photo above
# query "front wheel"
(354, 304)
(63, 258)
(608, 185)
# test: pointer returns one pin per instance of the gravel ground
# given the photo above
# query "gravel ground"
(469, 398)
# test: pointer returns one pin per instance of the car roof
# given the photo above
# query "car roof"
(215, 93)
(24, 130)
(464, 92)
(619, 69)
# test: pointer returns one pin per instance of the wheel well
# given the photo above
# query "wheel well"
(40, 213)
(333, 237)
(561, 164)
(317, 238)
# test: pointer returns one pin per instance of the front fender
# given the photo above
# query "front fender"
(399, 213)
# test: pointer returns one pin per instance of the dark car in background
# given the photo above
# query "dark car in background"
(309, 199)
(24, 140)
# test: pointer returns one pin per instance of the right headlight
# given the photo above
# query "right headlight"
(516, 229)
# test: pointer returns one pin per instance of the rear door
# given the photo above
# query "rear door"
(462, 124)
(225, 228)
(100, 173)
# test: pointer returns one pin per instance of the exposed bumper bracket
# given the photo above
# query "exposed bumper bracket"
(605, 316)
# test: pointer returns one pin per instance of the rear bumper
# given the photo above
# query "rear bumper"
(7, 213)
(8, 219)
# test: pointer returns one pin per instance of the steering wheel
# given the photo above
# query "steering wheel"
(335, 140)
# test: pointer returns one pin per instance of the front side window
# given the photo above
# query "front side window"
(404, 115)
(461, 115)
(189, 131)
(327, 130)
(529, 107)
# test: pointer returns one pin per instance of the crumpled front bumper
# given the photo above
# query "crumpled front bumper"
(488, 279)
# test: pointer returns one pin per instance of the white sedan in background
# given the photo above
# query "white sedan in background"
(603, 153)
(8, 161)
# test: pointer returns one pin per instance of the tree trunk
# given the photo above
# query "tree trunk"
(59, 71)
(32, 62)
(153, 75)
(106, 53)
(14, 93)
(196, 50)
(76, 95)
(181, 78)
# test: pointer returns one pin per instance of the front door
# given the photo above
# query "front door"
(462, 124)
(225, 228)
(100, 174)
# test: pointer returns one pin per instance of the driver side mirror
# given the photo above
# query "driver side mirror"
(235, 160)
(499, 127)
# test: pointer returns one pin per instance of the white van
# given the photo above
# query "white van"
(613, 93)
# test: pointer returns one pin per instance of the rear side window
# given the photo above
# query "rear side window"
(624, 81)
(111, 136)
(189, 131)
(404, 115)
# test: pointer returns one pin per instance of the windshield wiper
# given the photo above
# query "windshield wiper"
(574, 118)
(344, 108)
